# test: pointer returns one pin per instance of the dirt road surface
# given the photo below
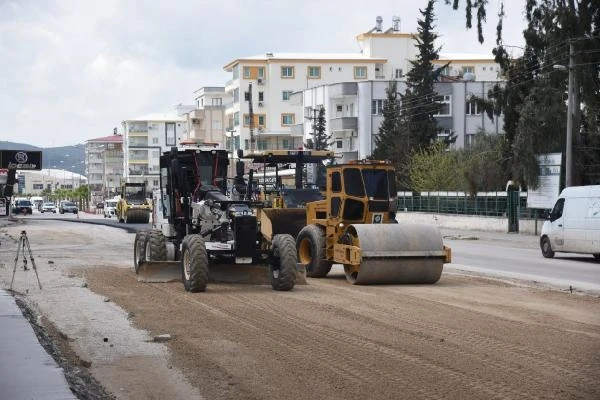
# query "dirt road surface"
(464, 338)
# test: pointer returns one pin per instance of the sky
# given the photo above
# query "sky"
(72, 70)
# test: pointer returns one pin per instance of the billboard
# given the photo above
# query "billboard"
(21, 159)
(549, 189)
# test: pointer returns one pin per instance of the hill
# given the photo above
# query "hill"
(70, 158)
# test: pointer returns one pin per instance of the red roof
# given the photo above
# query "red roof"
(108, 139)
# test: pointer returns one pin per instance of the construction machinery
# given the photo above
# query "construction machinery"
(133, 206)
(355, 226)
(200, 234)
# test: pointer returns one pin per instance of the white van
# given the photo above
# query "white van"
(573, 225)
(109, 208)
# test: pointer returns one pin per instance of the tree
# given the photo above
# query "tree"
(479, 6)
(433, 168)
(319, 139)
(483, 164)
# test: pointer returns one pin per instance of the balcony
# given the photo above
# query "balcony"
(196, 114)
(297, 130)
(343, 89)
(343, 123)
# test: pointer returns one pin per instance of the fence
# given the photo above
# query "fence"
(484, 203)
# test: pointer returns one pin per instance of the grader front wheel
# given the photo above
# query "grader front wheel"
(282, 269)
(194, 264)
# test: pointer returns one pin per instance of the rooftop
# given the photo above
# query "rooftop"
(158, 117)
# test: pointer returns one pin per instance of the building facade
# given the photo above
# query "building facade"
(104, 166)
(144, 139)
(207, 122)
(354, 113)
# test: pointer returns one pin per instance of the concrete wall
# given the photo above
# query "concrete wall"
(468, 222)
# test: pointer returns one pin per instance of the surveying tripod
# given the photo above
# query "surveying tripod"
(23, 241)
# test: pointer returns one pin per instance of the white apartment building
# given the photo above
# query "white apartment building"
(354, 113)
(280, 122)
(104, 166)
(273, 78)
(35, 182)
(144, 139)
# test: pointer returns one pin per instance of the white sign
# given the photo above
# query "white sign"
(549, 189)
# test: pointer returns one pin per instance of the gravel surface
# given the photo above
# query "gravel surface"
(465, 337)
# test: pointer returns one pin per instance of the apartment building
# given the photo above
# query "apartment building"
(144, 139)
(207, 121)
(104, 165)
(267, 82)
(354, 112)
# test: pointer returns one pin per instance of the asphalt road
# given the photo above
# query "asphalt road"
(518, 256)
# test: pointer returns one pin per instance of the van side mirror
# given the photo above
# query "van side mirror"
(546, 214)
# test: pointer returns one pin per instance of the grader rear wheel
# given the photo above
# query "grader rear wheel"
(194, 264)
(139, 249)
(155, 246)
(310, 244)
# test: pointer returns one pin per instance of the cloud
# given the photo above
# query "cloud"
(72, 70)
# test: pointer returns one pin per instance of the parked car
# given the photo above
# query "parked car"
(109, 208)
(23, 207)
(48, 207)
(66, 206)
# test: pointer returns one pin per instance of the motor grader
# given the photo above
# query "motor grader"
(355, 226)
(133, 207)
(200, 234)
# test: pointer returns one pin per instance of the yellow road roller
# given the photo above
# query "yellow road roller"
(355, 225)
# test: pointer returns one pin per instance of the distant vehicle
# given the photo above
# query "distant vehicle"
(66, 206)
(23, 206)
(573, 226)
(109, 208)
(37, 202)
(48, 207)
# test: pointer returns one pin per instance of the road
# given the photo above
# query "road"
(465, 337)
(519, 257)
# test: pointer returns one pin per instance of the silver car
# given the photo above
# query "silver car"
(48, 207)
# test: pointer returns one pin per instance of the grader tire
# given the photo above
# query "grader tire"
(139, 249)
(155, 246)
(194, 264)
(311, 251)
(282, 269)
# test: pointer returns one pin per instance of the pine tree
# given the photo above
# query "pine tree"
(319, 139)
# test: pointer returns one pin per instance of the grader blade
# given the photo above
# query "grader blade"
(159, 271)
(170, 271)
(393, 253)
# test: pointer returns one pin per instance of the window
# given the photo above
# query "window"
(154, 140)
(155, 182)
(444, 134)
(217, 124)
(261, 120)
(261, 144)
(246, 96)
(236, 71)
(261, 72)
(285, 143)
(360, 72)
(236, 95)
(261, 96)
(38, 186)
(339, 144)
(287, 72)
(468, 69)
(170, 134)
(398, 73)
(217, 101)
(339, 108)
(445, 102)
(287, 119)
(285, 95)
(376, 107)
(247, 72)
(469, 139)
(472, 108)
(445, 70)
(236, 118)
(314, 72)
(379, 71)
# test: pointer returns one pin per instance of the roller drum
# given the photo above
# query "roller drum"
(393, 253)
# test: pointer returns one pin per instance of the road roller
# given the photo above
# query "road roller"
(355, 225)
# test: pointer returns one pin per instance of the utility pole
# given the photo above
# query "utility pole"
(251, 115)
(569, 147)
